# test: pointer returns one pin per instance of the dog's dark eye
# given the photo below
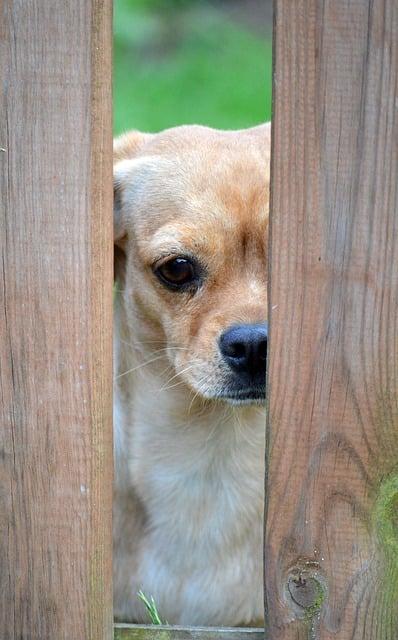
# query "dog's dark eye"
(177, 273)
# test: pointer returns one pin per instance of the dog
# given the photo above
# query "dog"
(191, 223)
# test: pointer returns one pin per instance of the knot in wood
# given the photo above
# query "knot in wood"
(303, 591)
(305, 588)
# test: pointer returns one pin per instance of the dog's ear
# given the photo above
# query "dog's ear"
(126, 148)
(120, 173)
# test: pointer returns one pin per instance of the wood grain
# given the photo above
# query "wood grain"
(56, 322)
(165, 632)
(331, 550)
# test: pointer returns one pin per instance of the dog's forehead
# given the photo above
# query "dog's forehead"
(219, 189)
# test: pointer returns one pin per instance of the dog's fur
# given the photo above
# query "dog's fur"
(188, 505)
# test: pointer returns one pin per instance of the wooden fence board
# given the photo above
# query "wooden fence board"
(331, 551)
(55, 327)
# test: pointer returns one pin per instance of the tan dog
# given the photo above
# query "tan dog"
(191, 221)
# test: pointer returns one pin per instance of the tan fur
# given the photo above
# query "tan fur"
(188, 506)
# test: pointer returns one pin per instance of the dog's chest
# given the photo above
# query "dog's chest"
(202, 556)
(208, 585)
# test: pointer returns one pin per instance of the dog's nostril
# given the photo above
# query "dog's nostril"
(244, 348)
(235, 350)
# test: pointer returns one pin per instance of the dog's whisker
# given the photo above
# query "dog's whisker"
(166, 369)
(213, 431)
(141, 343)
(192, 401)
(172, 386)
(153, 342)
(240, 431)
(143, 364)
(200, 389)
(139, 347)
(179, 373)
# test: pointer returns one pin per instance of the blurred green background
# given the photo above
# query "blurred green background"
(191, 61)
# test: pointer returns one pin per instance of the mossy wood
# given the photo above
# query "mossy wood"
(56, 320)
(154, 632)
(331, 550)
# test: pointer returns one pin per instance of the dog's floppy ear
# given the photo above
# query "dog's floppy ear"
(125, 149)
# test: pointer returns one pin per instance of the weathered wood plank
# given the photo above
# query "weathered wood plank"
(55, 308)
(331, 552)
(160, 632)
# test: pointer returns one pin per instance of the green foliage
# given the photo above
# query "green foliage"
(183, 62)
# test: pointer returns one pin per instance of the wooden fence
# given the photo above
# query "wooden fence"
(331, 548)
(56, 321)
(331, 551)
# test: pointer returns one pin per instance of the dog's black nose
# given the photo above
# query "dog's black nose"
(244, 348)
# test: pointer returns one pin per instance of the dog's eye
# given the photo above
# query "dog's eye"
(177, 272)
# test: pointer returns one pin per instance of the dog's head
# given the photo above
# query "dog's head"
(191, 226)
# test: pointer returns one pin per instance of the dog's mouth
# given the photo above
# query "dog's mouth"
(254, 395)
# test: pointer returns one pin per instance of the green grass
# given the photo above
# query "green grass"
(187, 66)
(151, 608)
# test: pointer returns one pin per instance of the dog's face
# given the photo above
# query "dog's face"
(191, 218)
